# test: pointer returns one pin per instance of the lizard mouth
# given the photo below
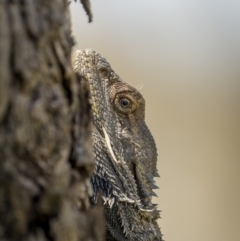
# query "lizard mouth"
(146, 199)
(143, 202)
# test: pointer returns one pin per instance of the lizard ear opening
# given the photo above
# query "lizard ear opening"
(103, 72)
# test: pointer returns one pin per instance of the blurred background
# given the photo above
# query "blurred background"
(186, 54)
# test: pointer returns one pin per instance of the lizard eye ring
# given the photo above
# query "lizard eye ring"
(125, 103)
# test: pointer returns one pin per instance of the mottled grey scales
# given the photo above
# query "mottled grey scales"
(124, 150)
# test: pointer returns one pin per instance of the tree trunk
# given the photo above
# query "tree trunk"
(45, 131)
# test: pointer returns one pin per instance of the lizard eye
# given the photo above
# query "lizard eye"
(103, 72)
(125, 103)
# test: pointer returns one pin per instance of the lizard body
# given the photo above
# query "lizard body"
(124, 150)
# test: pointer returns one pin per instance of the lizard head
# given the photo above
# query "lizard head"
(124, 150)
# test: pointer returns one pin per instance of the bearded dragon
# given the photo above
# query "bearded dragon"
(124, 150)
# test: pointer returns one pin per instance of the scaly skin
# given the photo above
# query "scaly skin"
(124, 150)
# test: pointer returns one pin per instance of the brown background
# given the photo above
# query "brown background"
(187, 55)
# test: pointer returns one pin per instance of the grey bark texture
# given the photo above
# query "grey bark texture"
(45, 131)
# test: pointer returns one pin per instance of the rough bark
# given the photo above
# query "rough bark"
(45, 133)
